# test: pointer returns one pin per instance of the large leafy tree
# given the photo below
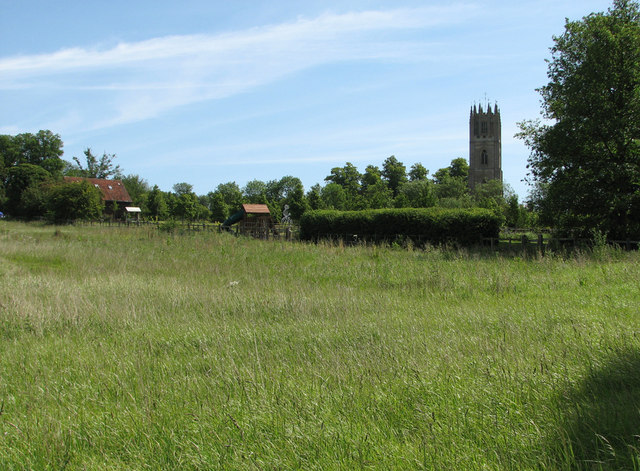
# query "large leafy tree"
(394, 173)
(231, 194)
(156, 203)
(137, 187)
(587, 156)
(95, 167)
(255, 192)
(43, 149)
(418, 172)
(21, 178)
(348, 177)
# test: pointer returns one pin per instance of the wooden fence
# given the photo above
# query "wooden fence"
(511, 240)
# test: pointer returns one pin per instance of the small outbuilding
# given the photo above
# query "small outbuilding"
(252, 219)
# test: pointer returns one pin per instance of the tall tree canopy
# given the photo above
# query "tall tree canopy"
(95, 167)
(43, 149)
(588, 158)
(394, 173)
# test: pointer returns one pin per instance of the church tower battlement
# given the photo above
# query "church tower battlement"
(485, 145)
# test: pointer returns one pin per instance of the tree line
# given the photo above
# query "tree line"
(584, 166)
(32, 187)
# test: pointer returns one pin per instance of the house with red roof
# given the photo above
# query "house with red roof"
(115, 196)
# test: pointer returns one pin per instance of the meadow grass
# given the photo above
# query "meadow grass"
(125, 348)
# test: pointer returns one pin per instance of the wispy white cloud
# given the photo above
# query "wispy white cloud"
(137, 81)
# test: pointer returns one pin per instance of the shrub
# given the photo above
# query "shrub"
(69, 201)
(427, 225)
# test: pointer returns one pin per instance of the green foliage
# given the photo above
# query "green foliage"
(70, 201)
(459, 168)
(377, 196)
(419, 193)
(349, 178)
(333, 197)
(219, 209)
(418, 172)
(186, 207)
(19, 179)
(314, 197)
(156, 204)
(95, 167)
(432, 225)
(231, 194)
(394, 173)
(370, 177)
(43, 149)
(254, 192)
(138, 189)
(292, 193)
(587, 159)
(183, 188)
(34, 201)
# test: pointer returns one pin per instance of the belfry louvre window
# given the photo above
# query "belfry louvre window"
(483, 125)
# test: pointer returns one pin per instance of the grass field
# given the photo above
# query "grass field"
(136, 349)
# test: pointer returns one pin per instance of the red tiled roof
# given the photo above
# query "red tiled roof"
(255, 209)
(112, 190)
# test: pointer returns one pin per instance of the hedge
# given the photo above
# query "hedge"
(425, 225)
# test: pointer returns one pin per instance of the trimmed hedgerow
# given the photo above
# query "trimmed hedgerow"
(426, 225)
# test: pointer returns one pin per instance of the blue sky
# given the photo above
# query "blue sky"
(208, 92)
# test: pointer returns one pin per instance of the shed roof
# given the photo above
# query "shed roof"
(112, 190)
(256, 209)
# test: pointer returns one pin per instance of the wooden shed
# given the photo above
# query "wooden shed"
(253, 219)
(256, 220)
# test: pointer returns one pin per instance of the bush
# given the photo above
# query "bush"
(427, 225)
(74, 200)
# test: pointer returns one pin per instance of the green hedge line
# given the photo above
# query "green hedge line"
(431, 225)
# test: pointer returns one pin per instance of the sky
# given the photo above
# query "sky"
(208, 92)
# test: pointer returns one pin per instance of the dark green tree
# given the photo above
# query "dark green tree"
(587, 158)
(419, 193)
(314, 197)
(370, 177)
(69, 201)
(156, 204)
(394, 173)
(219, 209)
(333, 197)
(292, 193)
(348, 177)
(459, 168)
(377, 196)
(186, 206)
(255, 192)
(21, 178)
(43, 149)
(418, 172)
(231, 194)
(138, 189)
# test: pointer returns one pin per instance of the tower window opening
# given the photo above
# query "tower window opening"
(483, 126)
(484, 158)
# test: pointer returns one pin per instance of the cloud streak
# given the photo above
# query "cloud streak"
(136, 81)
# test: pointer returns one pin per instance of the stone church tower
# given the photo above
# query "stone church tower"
(485, 145)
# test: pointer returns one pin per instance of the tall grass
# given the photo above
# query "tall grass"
(133, 349)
